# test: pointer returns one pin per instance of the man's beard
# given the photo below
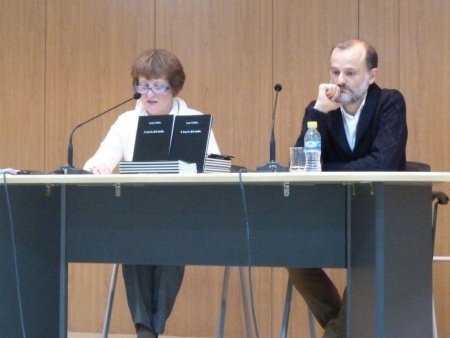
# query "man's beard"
(354, 94)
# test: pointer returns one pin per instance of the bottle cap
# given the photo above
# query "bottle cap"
(312, 124)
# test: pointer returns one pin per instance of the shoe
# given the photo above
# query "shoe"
(144, 332)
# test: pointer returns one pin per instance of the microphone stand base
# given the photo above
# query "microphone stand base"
(69, 170)
(272, 166)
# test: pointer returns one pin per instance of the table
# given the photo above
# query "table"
(375, 224)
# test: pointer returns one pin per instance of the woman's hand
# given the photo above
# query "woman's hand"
(100, 170)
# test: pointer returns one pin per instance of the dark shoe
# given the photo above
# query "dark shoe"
(144, 332)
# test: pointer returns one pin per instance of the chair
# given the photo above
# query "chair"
(110, 301)
(437, 198)
(223, 303)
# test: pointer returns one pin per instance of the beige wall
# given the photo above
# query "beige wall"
(64, 61)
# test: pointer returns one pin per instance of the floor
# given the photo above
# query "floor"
(99, 335)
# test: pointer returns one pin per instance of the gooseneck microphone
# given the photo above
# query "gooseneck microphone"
(69, 168)
(272, 165)
(277, 88)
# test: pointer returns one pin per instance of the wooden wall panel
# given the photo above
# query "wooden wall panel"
(378, 24)
(425, 51)
(304, 33)
(226, 48)
(90, 48)
(22, 79)
(424, 32)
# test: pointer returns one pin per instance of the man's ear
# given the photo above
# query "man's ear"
(373, 75)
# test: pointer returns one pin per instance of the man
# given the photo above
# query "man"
(363, 128)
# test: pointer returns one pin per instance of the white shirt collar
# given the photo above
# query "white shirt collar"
(351, 122)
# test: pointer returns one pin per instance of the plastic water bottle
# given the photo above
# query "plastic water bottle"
(313, 146)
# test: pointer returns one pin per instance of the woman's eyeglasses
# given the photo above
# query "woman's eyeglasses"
(155, 89)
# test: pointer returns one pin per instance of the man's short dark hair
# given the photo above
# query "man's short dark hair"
(371, 53)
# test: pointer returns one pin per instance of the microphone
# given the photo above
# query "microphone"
(272, 165)
(69, 168)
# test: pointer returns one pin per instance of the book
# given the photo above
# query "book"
(190, 138)
(217, 163)
(173, 138)
(153, 137)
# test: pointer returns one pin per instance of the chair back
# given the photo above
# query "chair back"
(417, 166)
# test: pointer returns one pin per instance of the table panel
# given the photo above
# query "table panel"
(36, 224)
(206, 224)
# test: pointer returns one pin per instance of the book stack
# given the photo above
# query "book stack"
(217, 163)
(157, 167)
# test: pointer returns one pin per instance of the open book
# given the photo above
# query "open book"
(172, 138)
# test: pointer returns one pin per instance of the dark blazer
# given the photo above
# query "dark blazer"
(381, 134)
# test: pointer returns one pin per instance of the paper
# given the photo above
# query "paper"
(9, 170)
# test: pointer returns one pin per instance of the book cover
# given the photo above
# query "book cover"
(190, 139)
(153, 137)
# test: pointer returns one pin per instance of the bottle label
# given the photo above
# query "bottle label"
(313, 145)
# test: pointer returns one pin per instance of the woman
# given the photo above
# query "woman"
(158, 75)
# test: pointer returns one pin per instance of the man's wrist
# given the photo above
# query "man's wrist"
(320, 108)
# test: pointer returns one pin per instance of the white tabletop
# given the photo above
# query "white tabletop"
(248, 177)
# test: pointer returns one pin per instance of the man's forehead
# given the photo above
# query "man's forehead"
(350, 57)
